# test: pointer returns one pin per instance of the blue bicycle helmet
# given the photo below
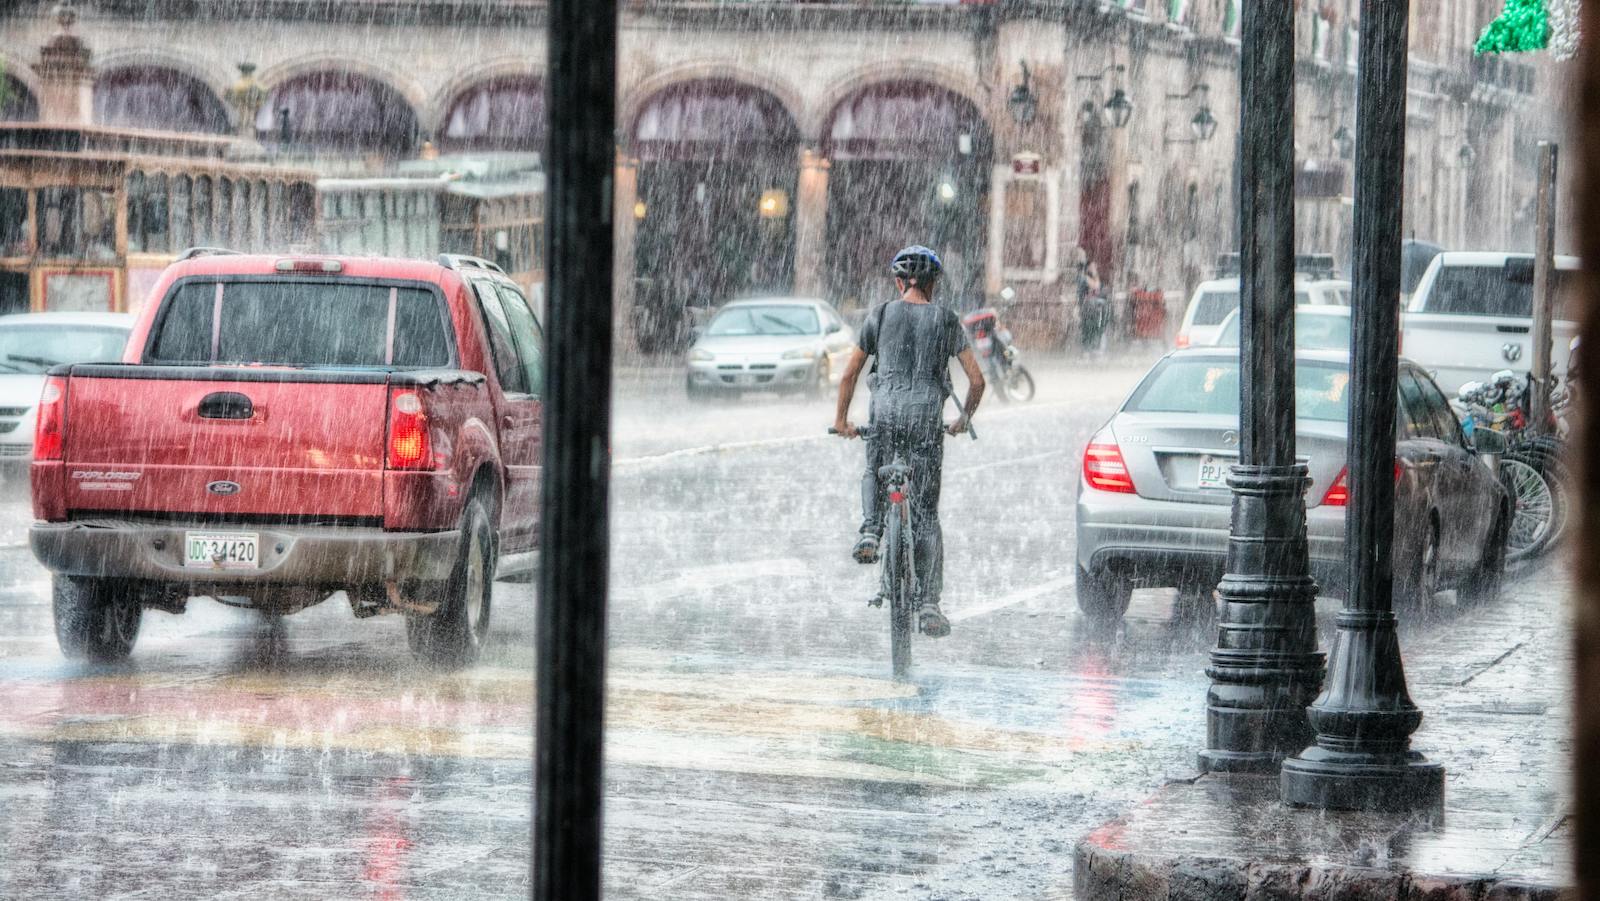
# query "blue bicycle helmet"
(917, 265)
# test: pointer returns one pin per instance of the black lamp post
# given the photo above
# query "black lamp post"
(1265, 668)
(1364, 719)
(1023, 103)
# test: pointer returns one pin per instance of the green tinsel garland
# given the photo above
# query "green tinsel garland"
(1524, 25)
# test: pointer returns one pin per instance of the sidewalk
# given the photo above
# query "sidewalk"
(1493, 685)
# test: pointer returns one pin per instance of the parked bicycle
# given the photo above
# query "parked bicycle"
(1532, 468)
(1000, 358)
(897, 572)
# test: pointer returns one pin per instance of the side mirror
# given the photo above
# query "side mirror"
(1488, 442)
(835, 328)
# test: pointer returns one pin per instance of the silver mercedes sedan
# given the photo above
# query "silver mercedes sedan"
(1154, 505)
(783, 344)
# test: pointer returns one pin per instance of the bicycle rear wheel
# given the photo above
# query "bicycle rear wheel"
(897, 563)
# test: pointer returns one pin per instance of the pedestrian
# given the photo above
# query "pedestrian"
(1091, 307)
(910, 341)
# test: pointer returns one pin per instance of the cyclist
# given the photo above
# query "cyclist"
(911, 341)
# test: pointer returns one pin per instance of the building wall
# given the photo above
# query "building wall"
(1169, 209)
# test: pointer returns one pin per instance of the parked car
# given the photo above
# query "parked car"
(285, 428)
(1472, 313)
(1154, 506)
(30, 344)
(1315, 328)
(1213, 300)
(769, 344)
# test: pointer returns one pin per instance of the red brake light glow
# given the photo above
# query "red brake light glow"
(1339, 492)
(51, 423)
(409, 444)
(1182, 340)
(1105, 470)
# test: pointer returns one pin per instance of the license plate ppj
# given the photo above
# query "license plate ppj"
(1214, 472)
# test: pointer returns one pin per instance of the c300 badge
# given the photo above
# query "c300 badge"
(224, 488)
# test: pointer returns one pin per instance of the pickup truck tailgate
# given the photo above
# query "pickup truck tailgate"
(279, 445)
(1458, 349)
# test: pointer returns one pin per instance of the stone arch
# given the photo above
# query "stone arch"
(713, 117)
(18, 103)
(159, 98)
(637, 96)
(340, 110)
(408, 88)
(435, 113)
(497, 112)
(853, 82)
(216, 77)
(23, 76)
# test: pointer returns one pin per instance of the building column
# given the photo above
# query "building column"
(811, 224)
(625, 220)
(66, 80)
(995, 271)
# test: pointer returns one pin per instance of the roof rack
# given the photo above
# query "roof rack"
(1315, 265)
(460, 261)
(193, 252)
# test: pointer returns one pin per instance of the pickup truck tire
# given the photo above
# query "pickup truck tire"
(96, 619)
(454, 634)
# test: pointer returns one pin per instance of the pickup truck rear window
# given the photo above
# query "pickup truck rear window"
(1491, 291)
(295, 323)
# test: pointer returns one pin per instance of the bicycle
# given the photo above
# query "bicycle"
(897, 579)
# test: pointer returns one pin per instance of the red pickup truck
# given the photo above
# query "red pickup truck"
(284, 428)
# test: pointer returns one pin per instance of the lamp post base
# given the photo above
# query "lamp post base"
(1346, 781)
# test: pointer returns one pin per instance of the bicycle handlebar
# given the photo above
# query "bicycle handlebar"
(868, 431)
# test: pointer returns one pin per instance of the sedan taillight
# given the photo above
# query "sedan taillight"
(1338, 494)
(1105, 470)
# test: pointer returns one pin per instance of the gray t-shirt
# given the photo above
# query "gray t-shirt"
(912, 344)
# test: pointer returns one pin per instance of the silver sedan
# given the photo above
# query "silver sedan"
(1154, 505)
(769, 344)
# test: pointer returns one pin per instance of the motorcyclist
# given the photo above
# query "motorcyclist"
(911, 341)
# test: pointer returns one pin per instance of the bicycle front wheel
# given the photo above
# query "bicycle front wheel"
(897, 566)
(1019, 384)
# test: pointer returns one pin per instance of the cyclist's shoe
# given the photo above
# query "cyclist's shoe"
(866, 550)
(932, 621)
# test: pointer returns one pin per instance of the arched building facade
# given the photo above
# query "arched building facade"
(789, 147)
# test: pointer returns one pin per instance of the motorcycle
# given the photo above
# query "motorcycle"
(1002, 360)
(1532, 467)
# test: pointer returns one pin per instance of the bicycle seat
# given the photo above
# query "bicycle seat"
(894, 470)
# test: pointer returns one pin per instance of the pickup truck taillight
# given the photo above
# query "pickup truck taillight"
(409, 445)
(52, 419)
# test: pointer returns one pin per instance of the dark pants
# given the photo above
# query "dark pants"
(916, 432)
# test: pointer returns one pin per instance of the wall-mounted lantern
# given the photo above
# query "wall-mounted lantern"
(1118, 110)
(1023, 103)
(1202, 124)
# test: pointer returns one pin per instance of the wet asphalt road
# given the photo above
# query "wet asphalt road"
(756, 747)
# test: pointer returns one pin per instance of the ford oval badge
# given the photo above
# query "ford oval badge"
(224, 488)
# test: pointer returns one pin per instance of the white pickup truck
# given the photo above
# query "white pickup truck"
(1472, 315)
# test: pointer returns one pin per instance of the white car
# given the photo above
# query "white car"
(780, 344)
(1213, 300)
(1315, 328)
(1472, 315)
(31, 343)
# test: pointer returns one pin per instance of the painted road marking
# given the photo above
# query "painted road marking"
(1016, 597)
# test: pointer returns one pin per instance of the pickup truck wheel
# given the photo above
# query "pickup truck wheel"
(454, 634)
(96, 619)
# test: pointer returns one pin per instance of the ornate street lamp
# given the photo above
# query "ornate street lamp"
(1118, 109)
(1467, 154)
(1024, 103)
(1344, 142)
(247, 96)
